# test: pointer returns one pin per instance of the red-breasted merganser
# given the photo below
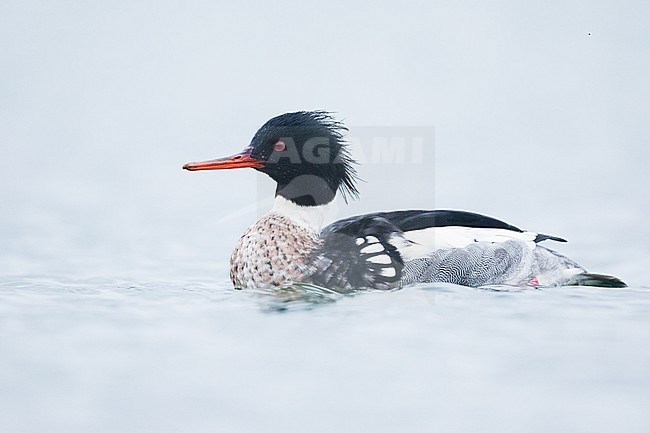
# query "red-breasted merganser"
(306, 154)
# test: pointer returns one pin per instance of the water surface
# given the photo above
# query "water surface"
(107, 355)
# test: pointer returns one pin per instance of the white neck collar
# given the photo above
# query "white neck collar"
(310, 217)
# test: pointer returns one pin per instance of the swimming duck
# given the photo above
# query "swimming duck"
(306, 154)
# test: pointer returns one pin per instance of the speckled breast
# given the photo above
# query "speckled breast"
(272, 252)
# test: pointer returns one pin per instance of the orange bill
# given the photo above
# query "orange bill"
(240, 160)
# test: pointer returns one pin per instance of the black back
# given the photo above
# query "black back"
(408, 220)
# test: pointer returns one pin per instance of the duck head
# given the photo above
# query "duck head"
(304, 152)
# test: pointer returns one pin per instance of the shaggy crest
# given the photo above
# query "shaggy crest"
(301, 127)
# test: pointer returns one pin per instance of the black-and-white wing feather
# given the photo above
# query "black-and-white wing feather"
(388, 249)
(356, 253)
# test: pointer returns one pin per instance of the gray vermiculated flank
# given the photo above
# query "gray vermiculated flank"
(478, 264)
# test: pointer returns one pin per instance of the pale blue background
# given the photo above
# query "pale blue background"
(536, 122)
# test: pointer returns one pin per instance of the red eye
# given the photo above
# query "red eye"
(279, 146)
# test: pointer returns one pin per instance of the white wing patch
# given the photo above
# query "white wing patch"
(371, 239)
(372, 248)
(383, 259)
(376, 253)
(421, 243)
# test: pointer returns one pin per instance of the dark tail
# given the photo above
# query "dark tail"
(596, 280)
